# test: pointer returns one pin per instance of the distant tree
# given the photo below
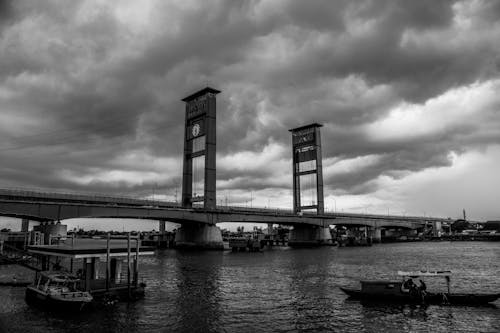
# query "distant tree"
(492, 225)
(461, 225)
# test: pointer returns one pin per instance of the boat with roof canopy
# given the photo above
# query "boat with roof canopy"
(58, 290)
(406, 291)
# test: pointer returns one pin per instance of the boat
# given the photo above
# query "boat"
(58, 290)
(405, 291)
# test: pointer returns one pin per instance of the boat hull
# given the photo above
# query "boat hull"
(38, 298)
(429, 298)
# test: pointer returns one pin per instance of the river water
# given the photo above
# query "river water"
(281, 290)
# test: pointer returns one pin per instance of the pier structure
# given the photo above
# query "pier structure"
(109, 268)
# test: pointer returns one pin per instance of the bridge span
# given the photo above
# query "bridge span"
(50, 206)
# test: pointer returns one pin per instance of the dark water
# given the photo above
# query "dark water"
(281, 290)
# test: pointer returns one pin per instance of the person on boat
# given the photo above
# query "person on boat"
(414, 291)
(422, 287)
(408, 285)
(422, 290)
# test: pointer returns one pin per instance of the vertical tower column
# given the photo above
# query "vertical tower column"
(199, 168)
(308, 175)
(307, 165)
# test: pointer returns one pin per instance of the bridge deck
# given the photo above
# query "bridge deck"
(44, 206)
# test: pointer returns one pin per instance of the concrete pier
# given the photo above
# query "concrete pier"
(52, 230)
(305, 236)
(205, 237)
(375, 234)
(162, 226)
(25, 225)
(437, 229)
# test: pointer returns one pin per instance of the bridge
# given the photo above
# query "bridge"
(51, 206)
(198, 214)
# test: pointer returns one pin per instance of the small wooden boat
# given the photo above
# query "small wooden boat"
(57, 290)
(405, 291)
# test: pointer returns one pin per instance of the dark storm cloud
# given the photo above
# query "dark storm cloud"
(6, 12)
(395, 165)
(410, 72)
(82, 85)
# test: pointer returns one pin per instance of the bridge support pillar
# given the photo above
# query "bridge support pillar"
(25, 226)
(162, 227)
(306, 236)
(437, 228)
(376, 235)
(202, 237)
(269, 228)
(162, 236)
(53, 232)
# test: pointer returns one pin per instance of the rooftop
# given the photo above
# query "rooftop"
(201, 93)
(90, 248)
(305, 126)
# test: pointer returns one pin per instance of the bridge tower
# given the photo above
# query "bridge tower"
(198, 177)
(307, 168)
(308, 185)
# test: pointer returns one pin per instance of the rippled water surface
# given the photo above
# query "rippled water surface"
(280, 290)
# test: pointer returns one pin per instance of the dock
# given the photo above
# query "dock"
(108, 268)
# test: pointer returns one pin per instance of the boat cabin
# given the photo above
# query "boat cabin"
(381, 287)
(55, 281)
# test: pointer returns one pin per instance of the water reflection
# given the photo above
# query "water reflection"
(309, 280)
(278, 290)
(197, 305)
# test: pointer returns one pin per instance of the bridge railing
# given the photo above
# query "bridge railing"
(255, 209)
(154, 203)
(93, 197)
(284, 211)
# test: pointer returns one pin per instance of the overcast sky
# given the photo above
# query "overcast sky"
(407, 91)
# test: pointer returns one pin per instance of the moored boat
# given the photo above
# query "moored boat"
(57, 290)
(405, 291)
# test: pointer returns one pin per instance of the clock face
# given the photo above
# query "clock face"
(306, 138)
(195, 130)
